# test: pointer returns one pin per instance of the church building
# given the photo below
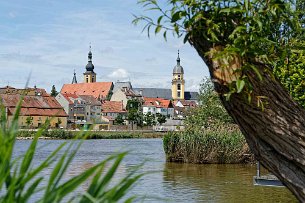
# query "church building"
(99, 90)
(89, 75)
(178, 81)
(176, 93)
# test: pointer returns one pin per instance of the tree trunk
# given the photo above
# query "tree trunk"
(275, 133)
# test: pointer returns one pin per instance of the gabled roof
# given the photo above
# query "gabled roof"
(158, 102)
(113, 107)
(186, 103)
(119, 85)
(70, 97)
(33, 105)
(90, 100)
(96, 89)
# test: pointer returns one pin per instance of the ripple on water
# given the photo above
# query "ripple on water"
(173, 182)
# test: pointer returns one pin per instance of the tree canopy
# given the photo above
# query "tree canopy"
(242, 42)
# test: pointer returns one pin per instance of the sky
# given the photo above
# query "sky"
(47, 40)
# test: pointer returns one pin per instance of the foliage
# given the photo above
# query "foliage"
(21, 180)
(133, 104)
(109, 95)
(54, 93)
(134, 113)
(59, 121)
(292, 75)
(119, 119)
(29, 121)
(161, 118)
(209, 112)
(66, 134)
(149, 119)
(221, 144)
(234, 33)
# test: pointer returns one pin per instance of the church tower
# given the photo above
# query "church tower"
(178, 81)
(89, 75)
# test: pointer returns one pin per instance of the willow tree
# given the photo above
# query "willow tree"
(241, 41)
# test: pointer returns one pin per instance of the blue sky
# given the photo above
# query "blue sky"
(50, 38)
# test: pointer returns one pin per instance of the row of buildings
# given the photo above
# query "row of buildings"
(92, 102)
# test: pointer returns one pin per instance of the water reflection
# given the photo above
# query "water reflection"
(221, 183)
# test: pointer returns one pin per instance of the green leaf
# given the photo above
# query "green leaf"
(176, 17)
(158, 29)
(240, 85)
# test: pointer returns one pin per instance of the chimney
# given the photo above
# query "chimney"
(125, 89)
(141, 92)
(122, 105)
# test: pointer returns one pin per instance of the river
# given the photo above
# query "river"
(173, 182)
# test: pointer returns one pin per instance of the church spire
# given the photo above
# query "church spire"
(74, 81)
(90, 54)
(178, 58)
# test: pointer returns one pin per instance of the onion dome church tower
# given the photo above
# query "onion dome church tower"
(89, 75)
(178, 81)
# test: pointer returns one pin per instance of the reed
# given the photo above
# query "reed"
(66, 134)
(221, 144)
(21, 180)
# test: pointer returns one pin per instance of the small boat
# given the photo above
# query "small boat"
(266, 180)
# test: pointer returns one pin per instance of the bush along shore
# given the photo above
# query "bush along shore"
(66, 134)
(222, 145)
(210, 135)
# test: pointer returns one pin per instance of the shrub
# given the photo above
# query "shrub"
(225, 144)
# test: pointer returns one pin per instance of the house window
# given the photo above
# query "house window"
(179, 94)
(87, 80)
(179, 87)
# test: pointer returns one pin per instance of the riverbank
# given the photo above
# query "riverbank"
(67, 134)
(221, 145)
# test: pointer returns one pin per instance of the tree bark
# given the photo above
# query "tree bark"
(276, 133)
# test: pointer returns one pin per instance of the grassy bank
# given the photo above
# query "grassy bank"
(224, 144)
(65, 134)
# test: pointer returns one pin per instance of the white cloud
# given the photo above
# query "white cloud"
(119, 74)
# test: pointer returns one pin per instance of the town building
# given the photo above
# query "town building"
(111, 109)
(36, 108)
(81, 109)
(123, 91)
(158, 106)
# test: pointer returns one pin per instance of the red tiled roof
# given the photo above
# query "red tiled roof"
(69, 96)
(39, 112)
(33, 105)
(158, 102)
(188, 103)
(96, 89)
(113, 107)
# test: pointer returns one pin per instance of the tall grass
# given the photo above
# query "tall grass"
(66, 134)
(20, 180)
(221, 144)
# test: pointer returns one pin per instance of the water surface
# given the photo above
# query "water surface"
(173, 182)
